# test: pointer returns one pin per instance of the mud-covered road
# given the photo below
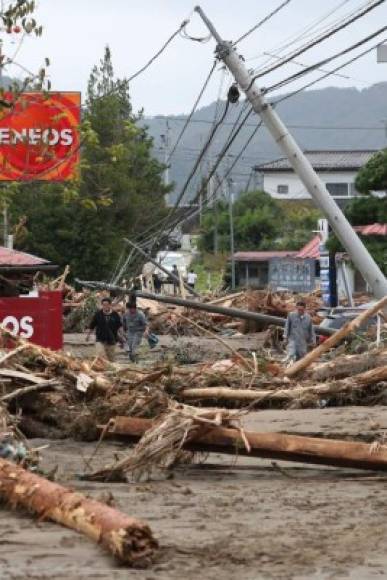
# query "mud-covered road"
(222, 520)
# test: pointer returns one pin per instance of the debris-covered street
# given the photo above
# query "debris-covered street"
(245, 518)
(193, 290)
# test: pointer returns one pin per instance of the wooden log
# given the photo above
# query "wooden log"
(265, 319)
(270, 445)
(290, 394)
(335, 338)
(347, 365)
(17, 393)
(128, 539)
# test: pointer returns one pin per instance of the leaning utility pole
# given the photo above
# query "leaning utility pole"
(301, 165)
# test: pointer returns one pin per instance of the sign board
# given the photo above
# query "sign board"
(381, 53)
(297, 275)
(39, 136)
(38, 319)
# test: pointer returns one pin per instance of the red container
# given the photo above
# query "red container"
(36, 318)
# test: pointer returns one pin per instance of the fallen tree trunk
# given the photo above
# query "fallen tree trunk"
(335, 338)
(129, 540)
(347, 365)
(205, 306)
(300, 393)
(269, 445)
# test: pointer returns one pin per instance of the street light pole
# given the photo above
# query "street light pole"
(165, 141)
(232, 245)
(361, 258)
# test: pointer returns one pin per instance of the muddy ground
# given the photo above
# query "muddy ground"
(224, 519)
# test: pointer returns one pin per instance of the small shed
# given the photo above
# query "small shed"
(252, 268)
(20, 268)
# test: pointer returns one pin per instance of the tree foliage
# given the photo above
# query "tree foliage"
(366, 211)
(119, 192)
(260, 223)
(373, 176)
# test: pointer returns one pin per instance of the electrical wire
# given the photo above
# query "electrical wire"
(261, 22)
(324, 76)
(301, 34)
(159, 52)
(325, 61)
(318, 40)
(192, 112)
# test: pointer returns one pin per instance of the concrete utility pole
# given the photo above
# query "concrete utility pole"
(301, 165)
(165, 139)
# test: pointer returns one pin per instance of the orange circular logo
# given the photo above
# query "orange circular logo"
(39, 137)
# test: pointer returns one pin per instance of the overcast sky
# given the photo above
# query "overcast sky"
(76, 31)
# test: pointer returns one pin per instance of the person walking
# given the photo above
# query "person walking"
(175, 273)
(157, 283)
(191, 279)
(107, 325)
(135, 326)
(299, 332)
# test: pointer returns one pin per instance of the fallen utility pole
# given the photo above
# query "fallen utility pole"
(128, 539)
(333, 340)
(268, 445)
(301, 165)
(265, 319)
(167, 272)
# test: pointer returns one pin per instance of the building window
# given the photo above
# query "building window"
(338, 189)
(282, 189)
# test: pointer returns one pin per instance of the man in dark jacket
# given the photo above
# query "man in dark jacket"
(107, 325)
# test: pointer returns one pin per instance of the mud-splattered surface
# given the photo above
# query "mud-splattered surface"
(247, 521)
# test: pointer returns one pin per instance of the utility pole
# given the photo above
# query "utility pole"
(5, 224)
(361, 258)
(165, 139)
(232, 245)
(212, 194)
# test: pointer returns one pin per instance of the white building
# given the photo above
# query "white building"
(337, 169)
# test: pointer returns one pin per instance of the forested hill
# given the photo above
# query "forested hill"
(317, 118)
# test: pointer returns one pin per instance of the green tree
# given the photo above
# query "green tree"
(365, 211)
(119, 193)
(255, 219)
(373, 176)
(260, 223)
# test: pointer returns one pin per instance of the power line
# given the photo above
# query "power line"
(325, 61)
(261, 22)
(322, 77)
(159, 52)
(312, 127)
(344, 24)
(292, 39)
(192, 112)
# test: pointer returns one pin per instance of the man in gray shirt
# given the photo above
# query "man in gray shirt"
(135, 326)
(299, 332)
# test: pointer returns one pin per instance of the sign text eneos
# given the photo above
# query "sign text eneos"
(39, 137)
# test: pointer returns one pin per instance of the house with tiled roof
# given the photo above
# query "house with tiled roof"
(300, 270)
(336, 168)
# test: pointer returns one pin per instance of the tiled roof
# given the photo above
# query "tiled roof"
(262, 256)
(311, 249)
(372, 230)
(324, 160)
(14, 258)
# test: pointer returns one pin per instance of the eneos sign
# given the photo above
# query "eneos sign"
(37, 319)
(39, 137)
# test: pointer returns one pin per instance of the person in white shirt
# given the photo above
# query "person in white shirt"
(191, 279)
